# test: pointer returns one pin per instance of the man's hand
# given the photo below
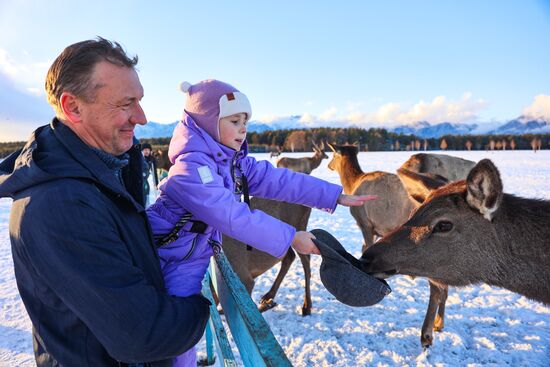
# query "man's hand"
(303, 243)
(355, 200)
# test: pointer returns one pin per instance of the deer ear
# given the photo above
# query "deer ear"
(420, 185)
(484, 188)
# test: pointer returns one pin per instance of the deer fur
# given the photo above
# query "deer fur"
(374, 218)
(470, 232)
(163, 162)
(275, 153)
(395, 203)
(307, 164)
(449, 167)
(250, 264)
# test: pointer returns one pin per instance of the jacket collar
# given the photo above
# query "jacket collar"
(84, 155)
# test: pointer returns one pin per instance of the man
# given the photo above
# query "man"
(84, 258)
(149, 167)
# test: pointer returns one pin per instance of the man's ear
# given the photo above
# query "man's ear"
(70, 105)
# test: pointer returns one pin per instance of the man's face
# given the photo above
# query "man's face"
(108, 122)
(146, 152)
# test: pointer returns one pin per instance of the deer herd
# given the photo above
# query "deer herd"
(439, 217)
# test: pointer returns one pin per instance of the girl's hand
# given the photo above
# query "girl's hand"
(355, 200)
(303, 244)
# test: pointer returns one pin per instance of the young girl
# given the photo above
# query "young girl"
(201, 197)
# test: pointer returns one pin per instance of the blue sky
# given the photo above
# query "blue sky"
(361, 62)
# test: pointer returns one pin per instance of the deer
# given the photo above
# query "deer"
(445, 166)
(305, 165)
(470, 232)
(275, 153)
(252, 263)
(378, 217)
(163, 162)
(393, 208)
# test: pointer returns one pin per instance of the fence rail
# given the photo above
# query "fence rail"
(255, 342)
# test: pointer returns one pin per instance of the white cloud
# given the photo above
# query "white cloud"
(357, 118)
(329, 115)
(539, 109)
(7, 65)
(35, 91)
(21, 112)
(386, 113)
(267, 118)
(439, 109)
(26, 75)
(307, 119)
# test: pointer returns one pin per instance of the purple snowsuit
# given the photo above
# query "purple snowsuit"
(202, 183)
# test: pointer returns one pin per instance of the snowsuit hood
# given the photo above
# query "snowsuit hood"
(189, 137)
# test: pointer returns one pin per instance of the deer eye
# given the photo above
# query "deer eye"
(443, 226)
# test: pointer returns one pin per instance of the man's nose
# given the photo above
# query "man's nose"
(138, 116)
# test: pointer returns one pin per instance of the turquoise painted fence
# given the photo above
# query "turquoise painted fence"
(254, 340)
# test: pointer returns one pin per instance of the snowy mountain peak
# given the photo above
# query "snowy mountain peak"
(422, 129)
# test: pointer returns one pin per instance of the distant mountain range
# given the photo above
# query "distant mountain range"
(422, 129)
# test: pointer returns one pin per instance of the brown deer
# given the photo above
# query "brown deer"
(275, 153)
(307, 164)
(470, 232)
(163, 162)
(374, 218)
(250, 264)
(393, 208)
(442, 169)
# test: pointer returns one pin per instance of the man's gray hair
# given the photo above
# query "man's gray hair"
(72, 69)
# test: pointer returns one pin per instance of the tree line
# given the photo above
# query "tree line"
(374, 139)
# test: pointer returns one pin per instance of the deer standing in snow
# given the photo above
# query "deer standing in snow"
(275, 153)
(306, 164)
(395, 203)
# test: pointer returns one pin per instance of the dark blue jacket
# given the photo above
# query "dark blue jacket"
(84, 259)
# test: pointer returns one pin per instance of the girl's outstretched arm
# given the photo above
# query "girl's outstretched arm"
(355, 200)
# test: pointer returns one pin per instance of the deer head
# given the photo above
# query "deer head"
(319, 150)
(342, 155)
(450, 236)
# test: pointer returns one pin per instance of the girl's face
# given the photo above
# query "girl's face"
(233, 130)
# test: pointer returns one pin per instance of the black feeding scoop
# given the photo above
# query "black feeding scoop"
(342, 274)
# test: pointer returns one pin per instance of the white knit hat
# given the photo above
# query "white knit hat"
(211, 100)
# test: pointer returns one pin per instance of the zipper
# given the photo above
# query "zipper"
(233, 165)
(193, 244)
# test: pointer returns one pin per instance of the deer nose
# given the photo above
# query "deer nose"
(370, 260)
(366, 259)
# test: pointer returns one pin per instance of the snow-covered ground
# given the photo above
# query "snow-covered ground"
(483, 326)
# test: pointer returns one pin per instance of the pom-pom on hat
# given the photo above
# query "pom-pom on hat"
(210, 100)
